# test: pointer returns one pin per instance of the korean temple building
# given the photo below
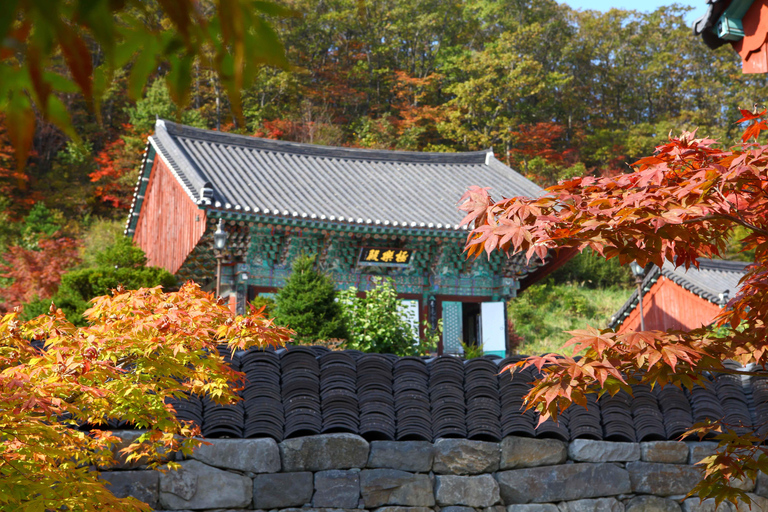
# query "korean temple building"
(364, 213)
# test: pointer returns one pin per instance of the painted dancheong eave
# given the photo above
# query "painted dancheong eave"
(170, 224)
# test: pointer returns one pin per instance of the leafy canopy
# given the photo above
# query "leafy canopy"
(120, 264)
(679, 205)
(91, 40)
(377, 322)
(139, 349)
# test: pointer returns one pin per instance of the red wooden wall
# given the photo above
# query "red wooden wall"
(753, 47)
(668, 305)
(170, 223)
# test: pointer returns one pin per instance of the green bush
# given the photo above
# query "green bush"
(591, 270)
(267, 303)
(307, 303)
(119, 264)
(376, 322)
(121, 254)
(541, 315)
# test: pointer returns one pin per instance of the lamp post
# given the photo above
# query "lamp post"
(241, 278)
(219, 243)
(639, 273)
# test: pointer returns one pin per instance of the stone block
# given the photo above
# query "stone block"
(708, 505)
(495, 508)
(465, 457)
(457, 508)
(414, 456)
(380, 487)
(699, 450)
(662, 479)
(759, 504)
(562, 483)
(533, 507)
(652, 504)
(142, 485)
(280, 490)
(524, 452)
(744, 484)
(762, 485)
(303, 509)
(197, 486)
(336, 488)
(254, 455)
(668, 452)
(471, 491)
(598, 505)
(403, 509)
(587, 450)
(327, 451)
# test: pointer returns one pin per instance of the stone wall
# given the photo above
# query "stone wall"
(344, 472)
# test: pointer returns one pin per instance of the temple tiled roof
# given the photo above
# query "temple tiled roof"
(714, 280)
(303, 391)
(359, 186)
(705, 27)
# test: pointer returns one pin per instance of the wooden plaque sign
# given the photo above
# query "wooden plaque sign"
(384, 257)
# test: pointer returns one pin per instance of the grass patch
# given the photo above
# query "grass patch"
(543, 312)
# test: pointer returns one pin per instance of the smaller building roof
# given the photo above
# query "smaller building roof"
(358, 186)
(714, 280)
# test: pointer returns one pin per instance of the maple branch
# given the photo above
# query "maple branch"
(736, 209)
(732, 372)
(731, 218)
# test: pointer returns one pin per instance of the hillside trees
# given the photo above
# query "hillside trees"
(493, 97)
(679, 205)
(234, 41)
(138, 350)
(37, 254)
(119, 265)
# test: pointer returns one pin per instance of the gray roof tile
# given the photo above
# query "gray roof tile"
(394, 186)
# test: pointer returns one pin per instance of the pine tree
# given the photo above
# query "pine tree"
(307, 303)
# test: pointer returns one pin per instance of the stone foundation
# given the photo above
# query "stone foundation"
(343, 472)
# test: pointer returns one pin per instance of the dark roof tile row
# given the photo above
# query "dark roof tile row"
(302, 391)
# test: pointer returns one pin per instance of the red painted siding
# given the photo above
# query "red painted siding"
(668, 305)
(753, 47)
(170, 224)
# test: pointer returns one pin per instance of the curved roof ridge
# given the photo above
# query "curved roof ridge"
(724, 265)
(391, 188)
(320, 151)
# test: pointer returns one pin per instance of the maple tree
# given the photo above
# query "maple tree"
(679, 205)
(92, 40)
(139, 349)
(36, 272)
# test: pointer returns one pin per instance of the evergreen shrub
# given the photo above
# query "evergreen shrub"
(307, 303)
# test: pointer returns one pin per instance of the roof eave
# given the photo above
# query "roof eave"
(140, 190)
(332, 223)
